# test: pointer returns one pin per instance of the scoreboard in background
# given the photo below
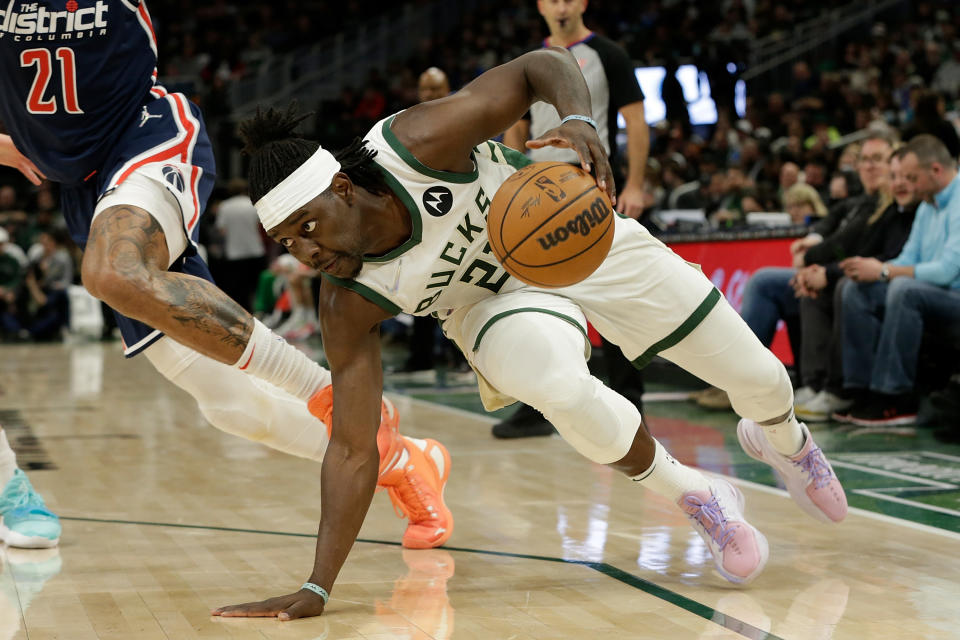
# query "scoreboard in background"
(696, 91)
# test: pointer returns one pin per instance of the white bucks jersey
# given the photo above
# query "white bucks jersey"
(447, 262)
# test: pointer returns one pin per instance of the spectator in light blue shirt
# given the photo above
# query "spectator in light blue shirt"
(886, 314)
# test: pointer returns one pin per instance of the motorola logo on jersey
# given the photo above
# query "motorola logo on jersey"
(173, 177)
(437, 201)
(31, 22)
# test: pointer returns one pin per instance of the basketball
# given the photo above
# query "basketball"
(550, 225)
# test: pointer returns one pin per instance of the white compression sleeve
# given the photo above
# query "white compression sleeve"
(270, 358)
(240, 404)
(538, 359)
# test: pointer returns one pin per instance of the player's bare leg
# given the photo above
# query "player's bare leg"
(125, 265)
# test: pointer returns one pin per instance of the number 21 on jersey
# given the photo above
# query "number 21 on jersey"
(68, 75)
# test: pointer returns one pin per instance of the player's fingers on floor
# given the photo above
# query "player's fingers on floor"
(265, 609)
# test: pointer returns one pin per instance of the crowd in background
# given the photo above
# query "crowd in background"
(794, 147)
(901, 72)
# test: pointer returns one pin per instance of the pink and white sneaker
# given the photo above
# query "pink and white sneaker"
(739, 551)
(809, 477)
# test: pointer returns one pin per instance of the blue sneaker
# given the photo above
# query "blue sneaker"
(25, 521)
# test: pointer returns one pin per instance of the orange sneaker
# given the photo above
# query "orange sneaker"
(418, 494)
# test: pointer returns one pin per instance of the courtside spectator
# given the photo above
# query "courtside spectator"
(893, 303)
(880, 235)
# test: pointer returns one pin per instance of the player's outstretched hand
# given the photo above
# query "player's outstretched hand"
(302, 604)
(581, 137)
(11, 157)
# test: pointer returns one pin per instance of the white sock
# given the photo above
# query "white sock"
(8, 460)
(270, 358)
(239, 404)
(786, 437)
(670, 478)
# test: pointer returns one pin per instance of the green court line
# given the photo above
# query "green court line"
(708, 613)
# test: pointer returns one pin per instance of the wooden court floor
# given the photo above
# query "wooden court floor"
(166, 518)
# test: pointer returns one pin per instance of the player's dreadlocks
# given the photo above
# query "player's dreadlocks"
(275, 152)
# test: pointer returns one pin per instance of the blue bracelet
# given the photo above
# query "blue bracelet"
(320, 591)
(590, 121)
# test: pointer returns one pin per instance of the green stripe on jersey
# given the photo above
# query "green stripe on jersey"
(410, 159)
(510, 312)
(682, 331)
(513, 157)
(366, 292)
(416, 233)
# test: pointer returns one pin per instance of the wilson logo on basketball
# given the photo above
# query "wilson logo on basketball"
(581, 224)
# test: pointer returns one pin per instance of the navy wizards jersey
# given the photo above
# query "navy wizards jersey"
(73, 74)
(79, 97)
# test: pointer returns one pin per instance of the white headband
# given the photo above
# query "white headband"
(300, 187)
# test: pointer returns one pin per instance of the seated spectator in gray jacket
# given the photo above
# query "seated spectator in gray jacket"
(890, 304)
(881, 235)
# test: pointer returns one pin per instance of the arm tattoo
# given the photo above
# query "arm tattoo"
(135, 248)
(192, 305)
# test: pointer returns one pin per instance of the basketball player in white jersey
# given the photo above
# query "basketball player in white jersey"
(397, 222)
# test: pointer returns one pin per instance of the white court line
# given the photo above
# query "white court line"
(912, 489)
(893, 474)
(942, 456)
(909, 524)
(901, 452)
(912, 503)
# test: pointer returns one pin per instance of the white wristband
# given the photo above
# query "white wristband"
(317, 589)
(590, 121)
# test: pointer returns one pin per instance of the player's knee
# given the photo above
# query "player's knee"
(118, 287)
(766, 393)
(599, 423)
(536, 359)
(91, 272)
(562, 389)
(113, 287)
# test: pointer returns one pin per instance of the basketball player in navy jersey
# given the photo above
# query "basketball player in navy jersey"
(83, 108)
